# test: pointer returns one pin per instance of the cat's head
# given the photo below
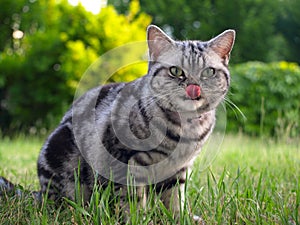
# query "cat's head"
(189, 75)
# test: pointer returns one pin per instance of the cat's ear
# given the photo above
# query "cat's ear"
(158, 42)
(222, 44)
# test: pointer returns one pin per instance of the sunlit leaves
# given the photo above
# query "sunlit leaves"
(41, 70)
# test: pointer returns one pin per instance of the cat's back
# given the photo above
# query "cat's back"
(60, 154)
(94, 105)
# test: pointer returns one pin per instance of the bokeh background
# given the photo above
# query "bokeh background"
(47, 45)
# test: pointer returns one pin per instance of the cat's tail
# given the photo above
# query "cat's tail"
(7, 188)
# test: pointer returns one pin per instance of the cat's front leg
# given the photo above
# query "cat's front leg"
(131, 192)
(127, 194)
(173, 197)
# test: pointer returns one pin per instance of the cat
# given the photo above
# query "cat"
(150, 129)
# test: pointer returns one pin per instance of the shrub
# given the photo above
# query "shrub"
(40, 72)
(269, 97)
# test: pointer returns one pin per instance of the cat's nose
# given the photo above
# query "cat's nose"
(193, 91)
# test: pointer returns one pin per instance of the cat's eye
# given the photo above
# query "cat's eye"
(208, 72)
(176, 72)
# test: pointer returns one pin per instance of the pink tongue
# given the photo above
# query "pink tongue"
(193, 91)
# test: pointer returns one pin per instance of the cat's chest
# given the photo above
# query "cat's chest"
(187, 135)
(143, 127)
(191, 126)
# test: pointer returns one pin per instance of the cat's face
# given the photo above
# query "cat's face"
(189, 76)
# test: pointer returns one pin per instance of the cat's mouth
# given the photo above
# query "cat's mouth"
(193, 91)
(189, 105)
(195, 100)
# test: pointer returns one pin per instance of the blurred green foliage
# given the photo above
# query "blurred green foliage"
(268, 95)
(267, 30)
(288, 24)
(46, 46)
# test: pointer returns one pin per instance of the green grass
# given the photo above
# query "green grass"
(18, 159)
(252, 181)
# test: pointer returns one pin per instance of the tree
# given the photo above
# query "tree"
(289, 25)
(254, 22)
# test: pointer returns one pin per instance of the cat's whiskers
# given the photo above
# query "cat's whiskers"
(234, 107)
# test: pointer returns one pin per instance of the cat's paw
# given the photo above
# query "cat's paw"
(198, 220)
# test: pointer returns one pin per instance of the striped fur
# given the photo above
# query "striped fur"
(149, 128)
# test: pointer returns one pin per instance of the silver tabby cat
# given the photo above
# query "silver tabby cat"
(151, 128)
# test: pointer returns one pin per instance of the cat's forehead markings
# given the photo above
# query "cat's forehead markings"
(192, 55)
(194, 47)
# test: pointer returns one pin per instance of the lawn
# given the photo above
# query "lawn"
(251, 181)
